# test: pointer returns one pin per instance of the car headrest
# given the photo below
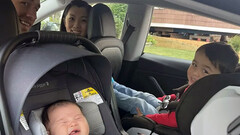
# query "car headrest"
(101, 22)
(89, 109)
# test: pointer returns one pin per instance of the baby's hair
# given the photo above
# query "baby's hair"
(222, 56)
(45, 118)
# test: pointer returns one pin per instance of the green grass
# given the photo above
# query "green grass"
(171, 52)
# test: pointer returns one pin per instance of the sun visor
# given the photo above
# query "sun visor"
(27, 65)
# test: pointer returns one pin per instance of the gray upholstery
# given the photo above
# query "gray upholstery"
(94, 118)
(90, 111)
(27, 65)
(101, 30)
(35, 122)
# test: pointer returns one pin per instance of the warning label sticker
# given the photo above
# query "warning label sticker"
(23, 121)
(88, 95)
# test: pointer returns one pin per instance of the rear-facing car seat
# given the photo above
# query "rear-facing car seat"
(102, 31)
(9, 29)
(207, 107)
(46, 67)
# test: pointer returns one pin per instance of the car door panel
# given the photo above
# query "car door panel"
(168, 72)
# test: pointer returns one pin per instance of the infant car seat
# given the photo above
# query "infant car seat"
(207, 107)
(9, 29)
(49, 66)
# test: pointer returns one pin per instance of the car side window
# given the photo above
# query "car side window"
(178, 34)
(52, 22)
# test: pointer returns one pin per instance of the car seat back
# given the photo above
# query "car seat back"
(46, 69)
(102, 31)
(206, 102)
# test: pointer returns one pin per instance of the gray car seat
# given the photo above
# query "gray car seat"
(102, 31)
(207, 107)
(9, 29)
(45, 67)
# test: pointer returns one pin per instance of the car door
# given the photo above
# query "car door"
(155, 72)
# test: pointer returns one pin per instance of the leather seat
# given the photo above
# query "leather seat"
(102, 31)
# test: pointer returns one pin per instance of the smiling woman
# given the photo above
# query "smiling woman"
(75, 18)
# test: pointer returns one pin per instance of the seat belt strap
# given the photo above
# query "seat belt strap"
(128, 33)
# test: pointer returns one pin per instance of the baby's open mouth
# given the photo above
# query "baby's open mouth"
(74, 132)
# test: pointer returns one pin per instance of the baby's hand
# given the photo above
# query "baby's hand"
(139, 113)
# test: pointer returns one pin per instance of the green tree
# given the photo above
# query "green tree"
(54, 18)
(119, 14)
(235, 43)
(150, 40)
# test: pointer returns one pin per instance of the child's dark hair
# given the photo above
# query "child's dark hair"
(222, 56)
(45, 118)
(78, 3)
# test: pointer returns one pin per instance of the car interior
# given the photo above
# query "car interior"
(32, 75)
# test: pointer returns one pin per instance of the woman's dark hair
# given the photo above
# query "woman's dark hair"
(45, 118)
(222, 56)
(78, 3)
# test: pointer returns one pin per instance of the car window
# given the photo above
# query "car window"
(178, 34)
(52, 23)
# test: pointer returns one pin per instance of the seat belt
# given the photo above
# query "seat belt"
(128, 33)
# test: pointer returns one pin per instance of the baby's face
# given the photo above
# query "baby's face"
(67, 120)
